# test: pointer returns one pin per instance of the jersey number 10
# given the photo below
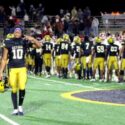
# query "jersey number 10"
(17, 53)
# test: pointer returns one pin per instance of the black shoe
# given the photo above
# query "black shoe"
(20, 113)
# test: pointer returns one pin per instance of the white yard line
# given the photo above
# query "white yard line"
(11, 122)
(65, 83)
(47, 84)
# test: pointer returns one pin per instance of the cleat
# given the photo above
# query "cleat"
(15, 112)
(105, 80)
(101, 80)
(20, 111)
(92, 80)
(47, 76)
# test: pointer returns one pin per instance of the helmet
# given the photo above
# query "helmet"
(110, 40)
(98, 40)
(10, 36)
(1, 86)
(47, 38)
(59, 40)
(77, 39)
(66, 37)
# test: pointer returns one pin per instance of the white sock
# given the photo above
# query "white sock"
(20, 108)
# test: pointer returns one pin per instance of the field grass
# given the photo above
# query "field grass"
(44, 104)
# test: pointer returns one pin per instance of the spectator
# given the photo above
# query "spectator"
(87, 12)
(13, 11)
(59, 27)
(2, 14)
(87, 24)
(61, 13)
(44, 19)
(95, 24)
(32, 12)
(80, 14)
(22, 8)
(40, 11)
(18, 10)
(81, 27)
(26, 19)
(74, 13)
(66, 24)
(75, 27)
(9, 26)
(68, 15)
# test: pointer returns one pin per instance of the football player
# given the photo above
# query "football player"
(113, 56)
(47, 50)
(15, 50)
(65, 54)
(77, 48)
(38, 61)
(86, 57)
(76, 56)
(57, 56)
(98, 54)
(122, 66)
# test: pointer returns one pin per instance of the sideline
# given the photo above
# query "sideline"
(8, 120)
(65, 83)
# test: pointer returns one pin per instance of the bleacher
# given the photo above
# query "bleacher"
(106, 23)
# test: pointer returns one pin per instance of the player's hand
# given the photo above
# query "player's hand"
(29, 38)
(1, 76)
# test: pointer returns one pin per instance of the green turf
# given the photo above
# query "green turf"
(44, 105)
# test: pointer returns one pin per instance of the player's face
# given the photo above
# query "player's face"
(17, 34)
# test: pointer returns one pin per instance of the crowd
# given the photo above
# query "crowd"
(80, 32)
(74, 21)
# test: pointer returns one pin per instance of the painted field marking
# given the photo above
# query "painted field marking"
(11, 122)
(65, 83)
(47, 84)
(69, 95)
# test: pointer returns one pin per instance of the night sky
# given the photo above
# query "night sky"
(52, 7)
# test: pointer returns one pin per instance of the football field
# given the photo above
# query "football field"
(50, 102)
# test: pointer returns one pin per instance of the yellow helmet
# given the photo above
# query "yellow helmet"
(77, 39)
(110, 40)
(10, 36)
(59, 40)
(47, 38)
(1, 86)
(66, 37)
(98, 40)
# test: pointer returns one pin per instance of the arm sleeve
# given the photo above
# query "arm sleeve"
(28, 44)
(6, 44)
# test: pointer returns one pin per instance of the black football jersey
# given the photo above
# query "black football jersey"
(16, 51)
(64, 48)
(57, 49)
(100, 50)
(113, 50)
(86, 47)
(77, 50)
(47, 48)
